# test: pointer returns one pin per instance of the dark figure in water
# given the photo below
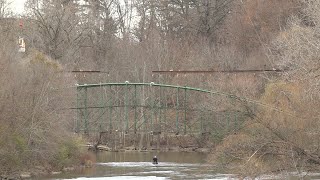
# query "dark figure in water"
(155, 160)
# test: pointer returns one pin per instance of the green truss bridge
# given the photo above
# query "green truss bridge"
(137, 108)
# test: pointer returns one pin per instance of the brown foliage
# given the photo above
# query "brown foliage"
(34, 129)
(169, 38)
(252, 24)
(280, 137)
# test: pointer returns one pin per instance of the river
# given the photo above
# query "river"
(138, 165)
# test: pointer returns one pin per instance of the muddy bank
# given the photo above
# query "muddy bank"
(37, 171)
(151, 142)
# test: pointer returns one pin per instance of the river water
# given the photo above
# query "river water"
(138, 165)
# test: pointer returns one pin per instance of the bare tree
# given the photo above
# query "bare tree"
(56, 28)
(4, 9)
(282, 134)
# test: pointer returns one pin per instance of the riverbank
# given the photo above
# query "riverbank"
(38, 171)
(131, 148)
(150, 142)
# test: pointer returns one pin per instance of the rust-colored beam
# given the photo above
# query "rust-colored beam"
(217, 71)
(88, 71)
(85, 71)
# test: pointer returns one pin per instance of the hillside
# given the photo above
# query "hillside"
(126, 41)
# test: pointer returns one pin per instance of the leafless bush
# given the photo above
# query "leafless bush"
(283, 134)
(34, 127)
(297, 49)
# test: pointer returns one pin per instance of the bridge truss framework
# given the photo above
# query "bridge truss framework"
(155, 108)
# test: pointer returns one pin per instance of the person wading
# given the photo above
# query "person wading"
(155, 160)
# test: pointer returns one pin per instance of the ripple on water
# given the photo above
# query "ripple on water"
(122, 177)
(147, 164)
